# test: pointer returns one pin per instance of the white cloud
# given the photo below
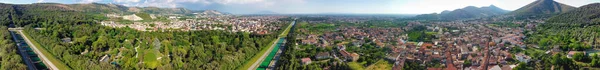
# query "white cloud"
(40, 1)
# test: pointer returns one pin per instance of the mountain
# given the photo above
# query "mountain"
(466, 13)
(105, 8)
(585, 14)
(445, 12)
(473, 12)
(211, 12)
(542, 7)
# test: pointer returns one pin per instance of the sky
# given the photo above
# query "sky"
(315, 6)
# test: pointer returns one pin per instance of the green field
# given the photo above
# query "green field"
(380, 65)
(150, 59)
(144, 16)
(356, 66)
(59, 64)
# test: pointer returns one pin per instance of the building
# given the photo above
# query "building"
(522, 57)
(306, 61)
(349, 56)
(323, 55)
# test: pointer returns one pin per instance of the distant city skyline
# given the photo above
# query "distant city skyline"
(315, 6)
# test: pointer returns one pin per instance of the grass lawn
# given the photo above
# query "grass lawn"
(59, 64)
(150, 59)
(380, 65)
(356, 66)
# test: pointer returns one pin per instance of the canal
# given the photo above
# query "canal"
(29, 57)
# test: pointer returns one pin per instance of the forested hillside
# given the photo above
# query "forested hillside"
(464, 13)
(574, 30)
(541, 8)
(585, 14)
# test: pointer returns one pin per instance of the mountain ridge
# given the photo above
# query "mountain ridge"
(542, 7)
(585, 14)
(465, 13)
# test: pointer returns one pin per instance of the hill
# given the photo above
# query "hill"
(573, 30)
(465, 13)
(107, 8)
(542, 7)
(584, 14)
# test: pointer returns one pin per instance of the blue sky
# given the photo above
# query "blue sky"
(316, 6)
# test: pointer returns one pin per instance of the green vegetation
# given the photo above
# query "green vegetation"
(380, 65)
(567, 36)
(144, 16)
(419, 34)
(203, 49)
(9, 59)
(469, 12)
(355, 66)
(255, 58)
(150, 59)
(263, 50)
(412, 65)
(584, 15)
(317, 28)
(197, 50)
(580, 56)
(290, 58)
(59, 64)
(505, 24)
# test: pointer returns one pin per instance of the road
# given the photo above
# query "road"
(264, 55)
(48, 63)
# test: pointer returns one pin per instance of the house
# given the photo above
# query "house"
(349, 56)
(67, 40)
(522, 57)
(306, 61)
(354, 56)
(496, 68)
(393, 56)
(323, 55)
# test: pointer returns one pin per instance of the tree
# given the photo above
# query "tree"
(521, 66)
(579, 56)
(467, 63)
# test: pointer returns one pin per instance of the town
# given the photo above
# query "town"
(204, 21)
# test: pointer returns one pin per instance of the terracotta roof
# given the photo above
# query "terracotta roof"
(425, 45)
(305, 59)
(434, 68)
